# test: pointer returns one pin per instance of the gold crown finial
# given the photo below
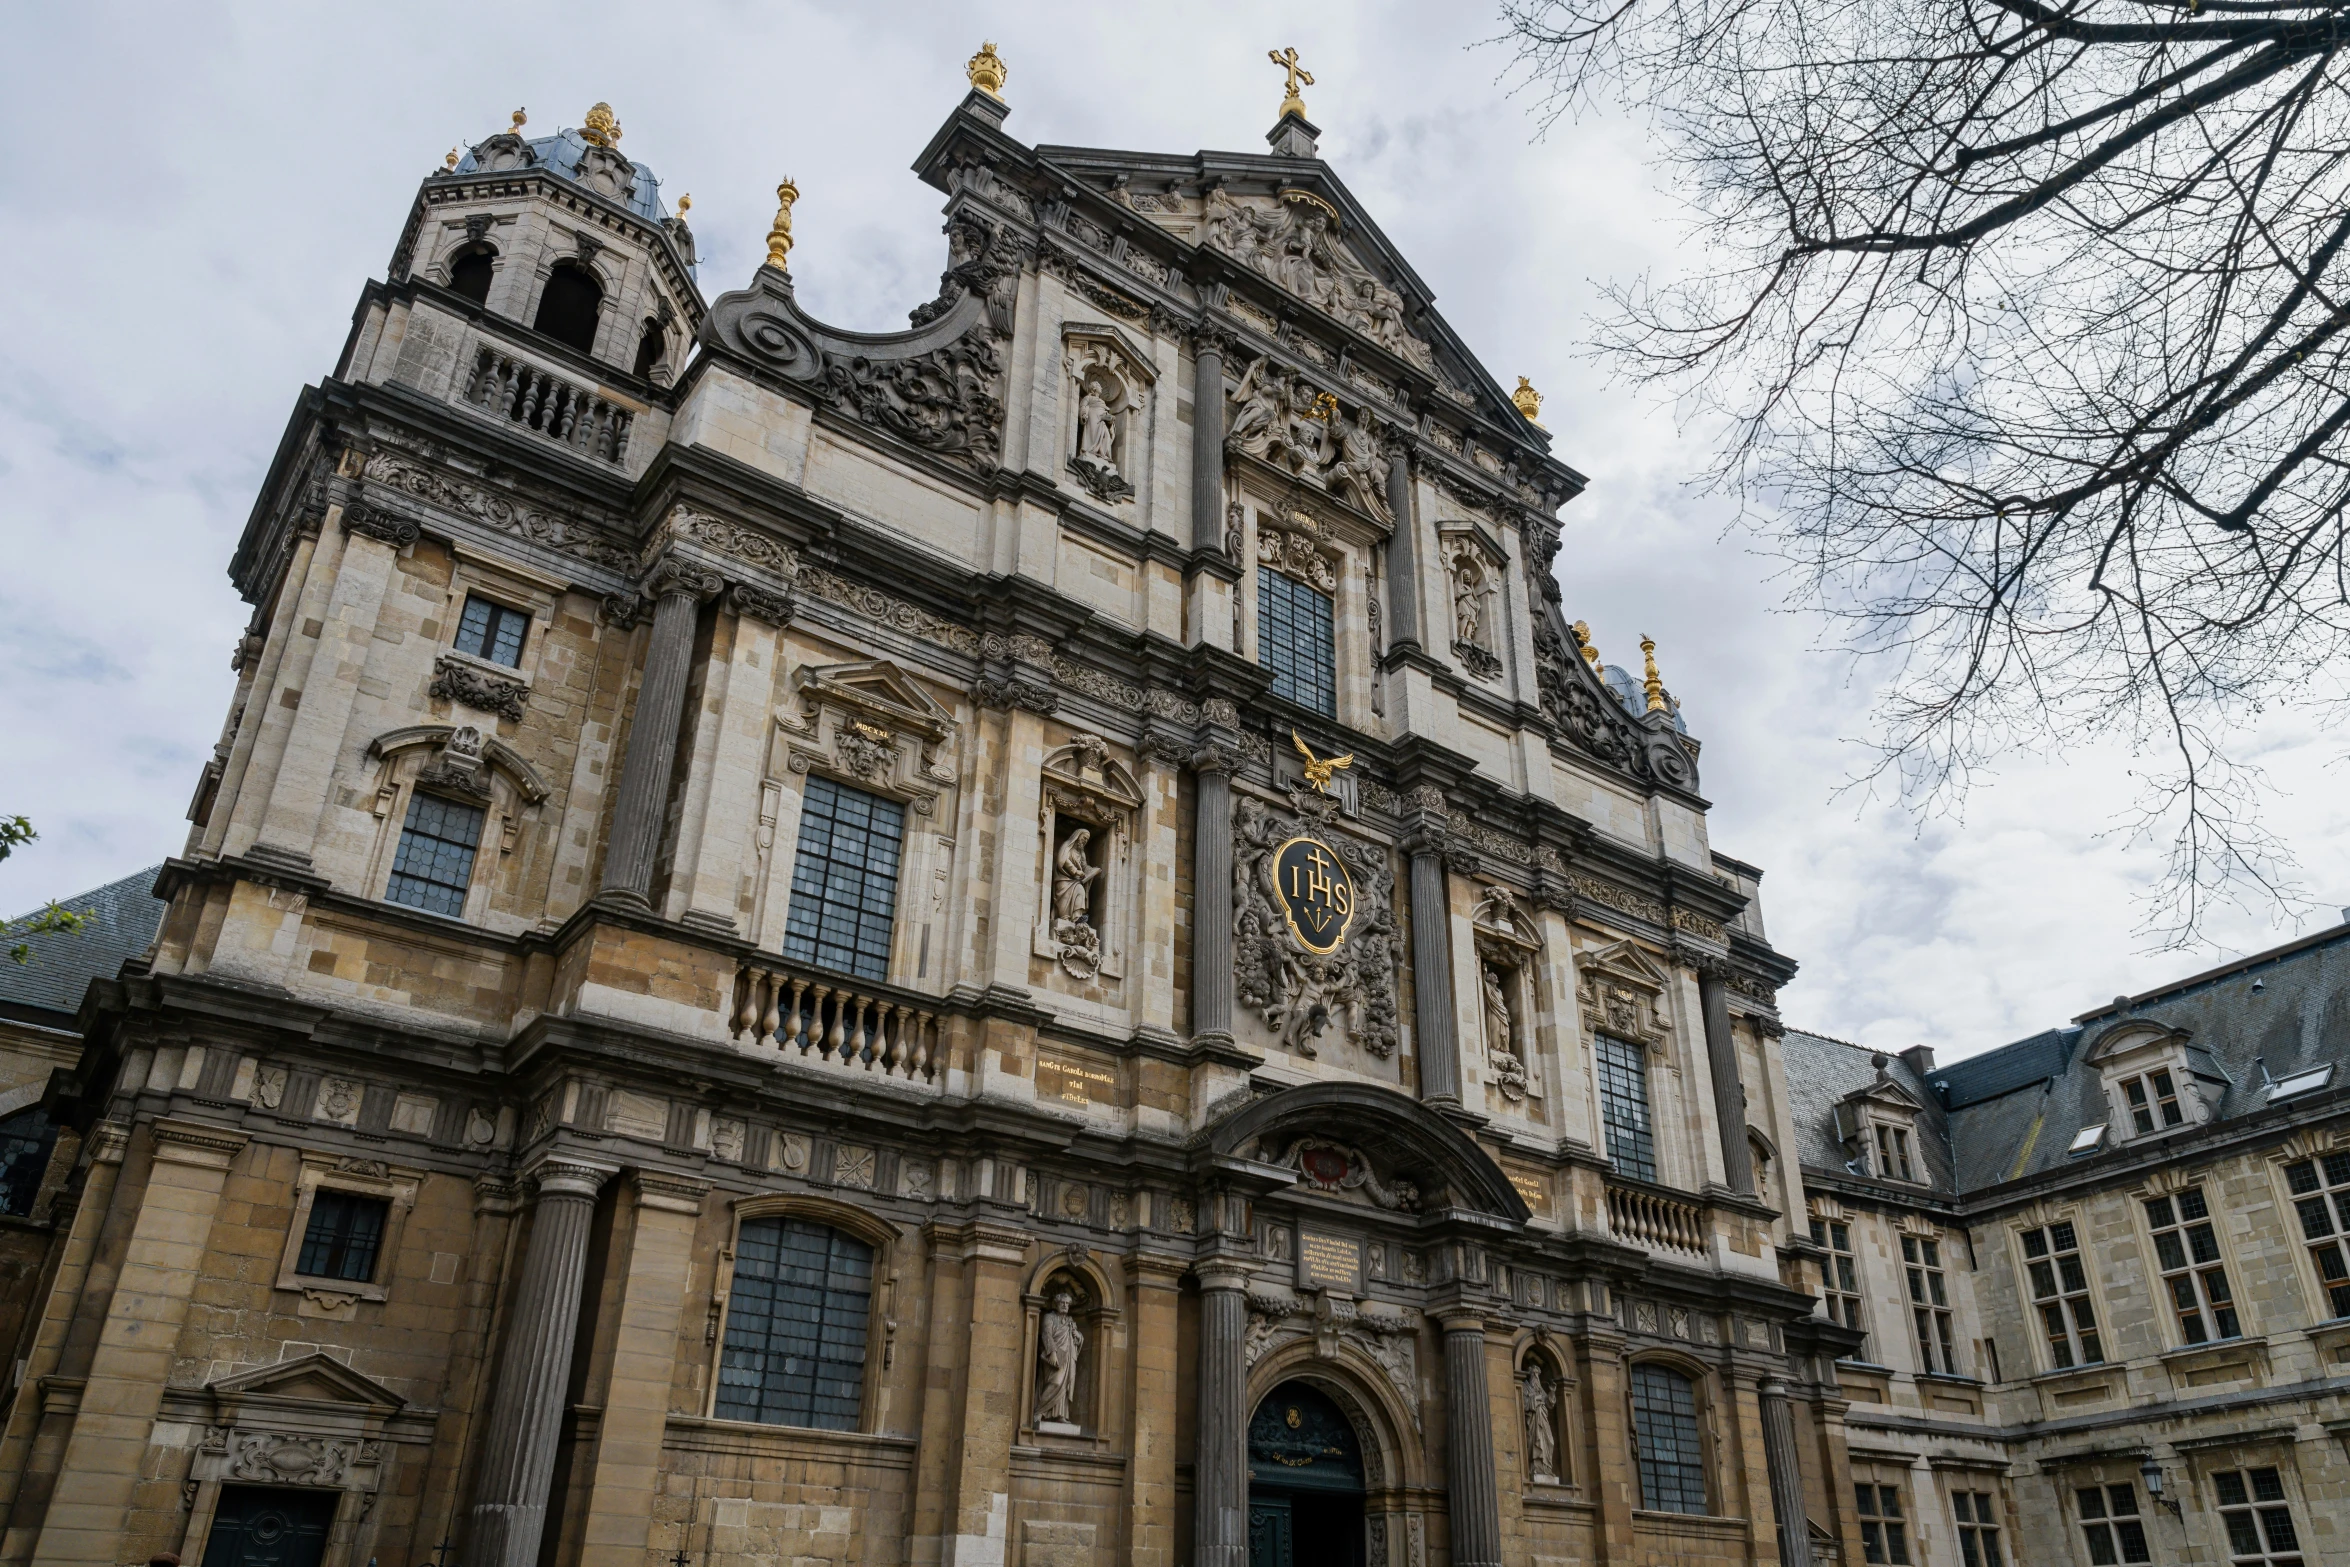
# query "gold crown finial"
(1653, 684)
(451, 160)
(1584, 645)
(685, 204)
(521, 118)
(779, 237)
(987, 71)
(1528, 401)
(1298, 75)
(601, 129)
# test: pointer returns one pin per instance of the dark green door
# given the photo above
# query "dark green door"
(258, 1526)
(1268, 1532)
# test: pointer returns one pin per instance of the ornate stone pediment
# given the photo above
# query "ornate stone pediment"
(1298, 240)
(312, 1379)
(1621, 990)
(872, 722)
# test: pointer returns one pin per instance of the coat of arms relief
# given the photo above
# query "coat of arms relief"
(1314, 932)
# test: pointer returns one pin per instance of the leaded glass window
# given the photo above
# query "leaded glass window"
(796, 1326)
(2258, 1519)
(1978, 1529)
(435, 864)
(2186, 1251)
(1664, 1434)
(2321, 1200)
(491, 631)
(1884, 1529)
(1839, 1280)
(2110, 1524)
(25, 1142)
(1929, 1304)
(844, 881)
(1296, 642)
(1623, 1106)
(345, 1232)
(2060, 1292)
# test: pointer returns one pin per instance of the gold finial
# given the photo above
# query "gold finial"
(1325, 407)
(1584, 646)
(1528, 401)
(1291, 103)
(601, 129)
(1654, 684)
(1319, 768)
(521, 118)
(987, 72)
(451, 160)
(685, 204)
(779, 237)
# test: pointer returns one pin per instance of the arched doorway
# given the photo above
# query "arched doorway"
(1305, 1482)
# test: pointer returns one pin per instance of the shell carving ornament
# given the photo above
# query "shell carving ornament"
(1304, 962)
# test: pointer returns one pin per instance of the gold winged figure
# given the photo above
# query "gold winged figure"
(1319, 769)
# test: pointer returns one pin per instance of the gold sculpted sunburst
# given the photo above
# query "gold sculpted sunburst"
(1316, 893)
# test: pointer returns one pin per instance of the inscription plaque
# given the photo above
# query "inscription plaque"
(1330, 1262)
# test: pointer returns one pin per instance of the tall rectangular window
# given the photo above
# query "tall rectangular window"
(434, 866)
(491, 631)
(2187, 1249)
(796, 1326)
(1884, 1531)
(1666, 1442)
(1840, 1282)
(1978, 1529)
(844, 881)
(1893, 1154)
(1929, 1304)
(2259, 1522)
(345, 1231)
(2110, 1524)
(2152, 1097)
(2321, 1199)
(2060, 1291)
(1296, 642)
(1623, 1106)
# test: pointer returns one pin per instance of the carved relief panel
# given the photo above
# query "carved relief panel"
(1314, 932)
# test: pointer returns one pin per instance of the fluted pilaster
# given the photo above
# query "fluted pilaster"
(1432, 1019)
(643, 794)
(1220, 1461)
(1211, 898)
(1207, 446)
(1473, 1495)
(1721, 1053)
(1403, 556)
(1780, 1454)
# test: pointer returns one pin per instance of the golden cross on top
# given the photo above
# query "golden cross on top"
(1287, 60)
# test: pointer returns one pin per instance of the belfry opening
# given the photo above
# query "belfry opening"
(1305, 1482)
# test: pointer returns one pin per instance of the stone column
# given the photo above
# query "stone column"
(99, 1479)
(1433, 1025)
(1207, 443)
(1211, 896)
(643, 796)
(715, 834)
(1781, 1453)
(1403, 554)
(1473, 1497)
(1219, 1476)
(517, 1457)
(627, 1463)
(1152, 1282)
(1721, 1054)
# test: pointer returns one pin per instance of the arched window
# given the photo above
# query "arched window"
(470, 273)
(1665, 1437)
(796, 1326)
(25, 1140)
(649, 349)
(568, 307)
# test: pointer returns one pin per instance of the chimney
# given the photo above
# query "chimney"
(1920, 1059)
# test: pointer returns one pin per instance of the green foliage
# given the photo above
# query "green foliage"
(53, 920)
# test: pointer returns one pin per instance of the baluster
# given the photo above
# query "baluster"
(795, 1030)
(767, 1016)
(592, 428)
(509, 387)
(828, 1045)
(891, 1040)
(918, 1060)
(867, 1045)
(620, 426)
(740, 1017)
(567, 416)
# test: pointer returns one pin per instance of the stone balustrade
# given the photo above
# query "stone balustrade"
(1650, 1218)
(806, 1013)
(508, 388)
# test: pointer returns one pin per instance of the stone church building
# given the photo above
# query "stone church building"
(1028, 942)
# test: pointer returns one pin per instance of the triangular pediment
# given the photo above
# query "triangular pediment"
(311, 1379)
(1624, 961)
(1884, 1091)
(879, 688)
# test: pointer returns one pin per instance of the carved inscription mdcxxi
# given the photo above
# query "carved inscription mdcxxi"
(1317, 895)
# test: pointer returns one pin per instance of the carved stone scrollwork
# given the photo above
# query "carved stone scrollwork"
(459, 766)
(1300, 992)
(757, 603)
(277, 1459)
(1336, 1167)
(623, 610)
(454, 680)
(1014, 691)
(1295, 550)
(373, 522)
(673, 575)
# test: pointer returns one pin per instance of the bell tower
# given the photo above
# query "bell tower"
(566, 237)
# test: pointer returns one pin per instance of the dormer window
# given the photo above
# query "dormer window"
(1893, 1153)
(569, 305)
(2152, 1098)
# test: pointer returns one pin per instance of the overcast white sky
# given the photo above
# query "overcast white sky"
(193, 196)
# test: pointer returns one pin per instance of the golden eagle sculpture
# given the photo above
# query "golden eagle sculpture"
(1319, 769)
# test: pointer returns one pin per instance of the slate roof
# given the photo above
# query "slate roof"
(49, 989)
(2014, 1111)
(560, 154)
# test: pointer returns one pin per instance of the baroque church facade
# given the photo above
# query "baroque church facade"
(1030, 942)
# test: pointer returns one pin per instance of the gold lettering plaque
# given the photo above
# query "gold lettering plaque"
(1330, 1261)
(1075, 1082)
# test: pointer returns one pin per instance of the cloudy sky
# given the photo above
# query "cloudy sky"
(195, 194)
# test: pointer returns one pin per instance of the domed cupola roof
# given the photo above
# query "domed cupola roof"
(588, 155)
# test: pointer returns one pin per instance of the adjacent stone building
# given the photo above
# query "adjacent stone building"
(1030, 942)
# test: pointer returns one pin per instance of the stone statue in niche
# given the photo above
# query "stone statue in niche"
(1060, 1347)
(1102, 387)
(1509, 1067)
(1096, 442)
(1539, 1406)
(1472, 610)
(1074, 874)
